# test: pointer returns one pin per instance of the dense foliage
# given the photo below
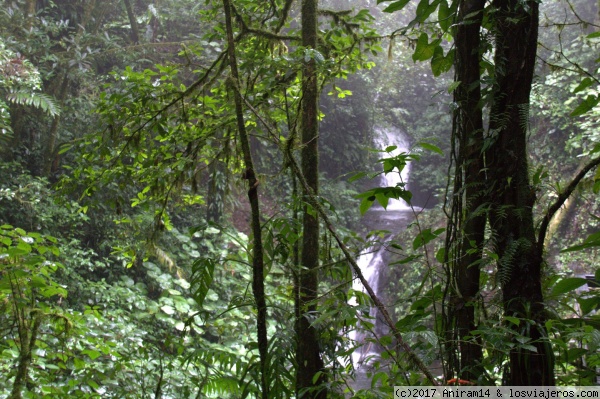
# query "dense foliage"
(165, 231)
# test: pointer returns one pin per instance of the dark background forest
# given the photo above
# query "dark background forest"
(186, 187)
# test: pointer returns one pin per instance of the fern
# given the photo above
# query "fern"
(509, 260)
(202, 276)
(38, 100)
(6, 132)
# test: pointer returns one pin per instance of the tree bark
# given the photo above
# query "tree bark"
(135, 32)
(30, 13)
(27, 338)
(308, 355)
(51, 152)
(511, 214)
(258, 285)
(468, 219)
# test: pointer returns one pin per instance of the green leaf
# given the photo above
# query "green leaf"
(440, 63)
(406, 260)
(430, 147)
(586, 105)
(585, 83)
(383, 199)
(395, 6)
(425, 9)
(514, 320)
(453, 86)
(168, 309)
(357, 176)
(38, 100)
(440, 255)
(93, 354)
(589, 304)
(593, 240)
(425, 50)
(425, 237)
(568, 284)
(366, 204)
(64, 148)
(444, 16)
(202, 277)
(593, 35)
(529, 347)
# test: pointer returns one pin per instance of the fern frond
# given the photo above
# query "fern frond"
(6, 132)
(203, 270)
(38, 100)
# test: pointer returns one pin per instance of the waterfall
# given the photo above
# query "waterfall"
(373, 260)
(385, 137)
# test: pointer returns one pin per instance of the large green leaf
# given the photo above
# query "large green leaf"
(440, 63)
(424, 49)
(593, 240)
(396, 6)
(586, 105)
(426, 236)
(445, 15)
(568, 284)
(38, 100)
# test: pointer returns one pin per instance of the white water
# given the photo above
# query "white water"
(385, 137)
(372, 260)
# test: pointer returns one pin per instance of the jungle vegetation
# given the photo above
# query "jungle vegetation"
(183, 190)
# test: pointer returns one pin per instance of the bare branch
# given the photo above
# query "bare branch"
(562, 197)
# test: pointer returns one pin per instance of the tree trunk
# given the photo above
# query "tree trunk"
(308, 355)
(258, 284)
(27, 338)
(468, 219)
(135, 32)
(511, 214)
(51, 153)
(30, 13)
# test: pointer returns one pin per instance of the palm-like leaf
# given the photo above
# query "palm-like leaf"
(39, 100)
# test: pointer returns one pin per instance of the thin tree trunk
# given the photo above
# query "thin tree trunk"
(53, 135)
(258, 287)
(308, 356)
(135, 32)
(50, 152)
(511, 214)
(27, 337)
(30, 13)
(467, 218)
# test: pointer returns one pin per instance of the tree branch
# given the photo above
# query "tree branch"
(562, 197)
(261, 32)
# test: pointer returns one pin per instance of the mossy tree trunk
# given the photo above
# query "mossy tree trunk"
(258, 283)
(511, 213)
(468, 219)
(308, 355)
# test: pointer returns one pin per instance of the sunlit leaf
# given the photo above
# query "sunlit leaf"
(568, 284)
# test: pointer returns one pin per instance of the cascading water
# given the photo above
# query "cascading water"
(383, 139)
(373, 261)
